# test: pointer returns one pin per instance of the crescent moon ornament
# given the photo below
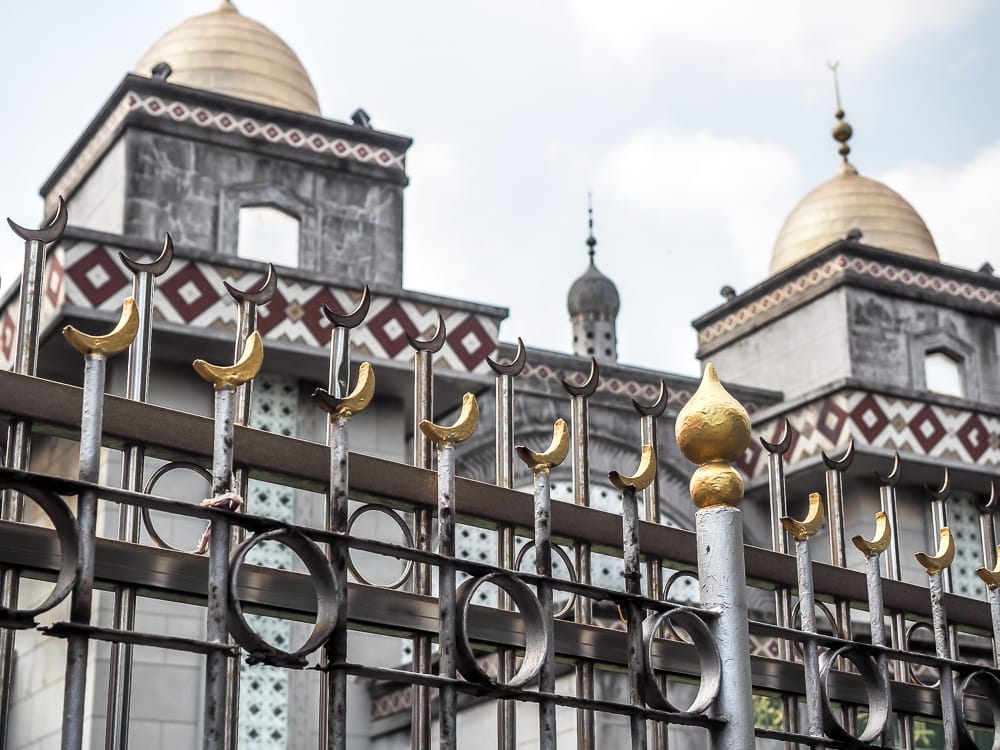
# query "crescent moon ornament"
(808, 526)
(156, 266)
(259, 296)
(351, 404)
(237, 374)
(354, 318)
(643, 476)
(991, 576)
(552, 456)
(110, 343)
(50, 232)
(458, 432)
(656, 408)
(880, 542)
(434, 343)
(944, 556)
(589, 386)
(512, 368)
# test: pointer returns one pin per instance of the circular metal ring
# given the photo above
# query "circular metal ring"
(990, 686)
(910, 668)
(677, 575)
(147, 519)
(68, 534)
(876, 686)
(327, 598)
(824, 610)
(407, 538)
(708, 660)
(536, 634)
(567, 606)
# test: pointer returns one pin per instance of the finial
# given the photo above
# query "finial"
(227, 5)
(713, 431)
(842, 130)
(591, 240)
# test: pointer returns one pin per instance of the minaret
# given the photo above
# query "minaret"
(593, 307)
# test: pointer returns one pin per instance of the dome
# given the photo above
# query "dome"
(228, 53)
(593, 294)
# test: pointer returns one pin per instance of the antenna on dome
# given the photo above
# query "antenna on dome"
(842, 130)
(591, 240)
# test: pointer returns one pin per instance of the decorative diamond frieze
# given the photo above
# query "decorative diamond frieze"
(192, 293)
(885, 422)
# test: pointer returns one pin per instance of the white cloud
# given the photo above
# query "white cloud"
(730, 189)
(958, 204)
(778, 38)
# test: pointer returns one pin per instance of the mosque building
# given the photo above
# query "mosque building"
(859, 333)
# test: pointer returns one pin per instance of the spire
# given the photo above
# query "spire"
(842, 130)
(591, 240)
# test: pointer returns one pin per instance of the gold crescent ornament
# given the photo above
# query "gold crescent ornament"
(643, 476)
(458, 432)
(944, 556)
(552, 456)
(232, 376)
(812, 523)
(118, 340)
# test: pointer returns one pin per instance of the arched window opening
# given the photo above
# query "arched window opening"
(943, 374)
(268, 234)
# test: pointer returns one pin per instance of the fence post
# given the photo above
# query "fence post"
(713, 431)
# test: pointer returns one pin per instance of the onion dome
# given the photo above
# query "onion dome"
(593, 294)
(228, 53)
(851, 202)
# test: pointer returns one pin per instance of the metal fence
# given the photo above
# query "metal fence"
(839, 685)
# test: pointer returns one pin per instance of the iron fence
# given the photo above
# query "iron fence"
(835, 685)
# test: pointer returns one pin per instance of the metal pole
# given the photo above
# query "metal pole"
(541, 464)
(96, 350)
(939, 520)
(423, 458)
(934, 565)
(19, 431)
(779, 543)
(504, 444)
(247, 302)
(340, 406)
(872, 549)
(650, 497)
(333, 690)
(217, 680)
(133, 457)
(713, 430)
(445, 438)
(583, 607)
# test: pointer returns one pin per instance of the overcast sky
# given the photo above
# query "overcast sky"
(698, 125)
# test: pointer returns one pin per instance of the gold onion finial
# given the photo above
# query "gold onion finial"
(713, 431)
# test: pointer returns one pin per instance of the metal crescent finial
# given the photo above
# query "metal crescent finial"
(157, 266)
(784, 442)
(354, 318)
(512, 368)
(836, 81)
(880, 542)
(434, 343)
(892, 478)
(237, 374)
(991, 576)
(643, 476)
(589, 386)
(117, 340)
(944, 491)
(259, 296)
(990, 506)
(48, 233)
(944, 556)
(461, 430)
(809, 525)
(552, 456)
(354, 402)
(656, 408)
(843, 463)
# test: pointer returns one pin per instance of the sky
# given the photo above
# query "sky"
(696, 126)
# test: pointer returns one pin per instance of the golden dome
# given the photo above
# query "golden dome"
(228, 53)
(850, 201)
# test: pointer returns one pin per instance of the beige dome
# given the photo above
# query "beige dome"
(850, 201)
(228, 53)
